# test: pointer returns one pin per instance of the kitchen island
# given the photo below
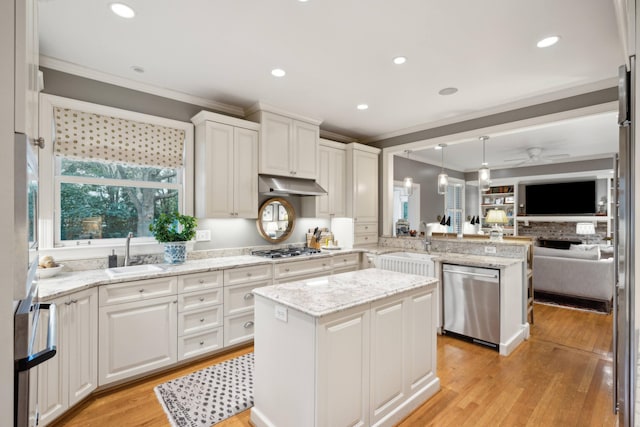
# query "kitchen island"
(355, 348)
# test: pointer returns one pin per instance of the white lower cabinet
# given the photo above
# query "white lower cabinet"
(291, 271)
(73, 373)
(200, 311)
(345, 263)
(138, 336)
(239, 300)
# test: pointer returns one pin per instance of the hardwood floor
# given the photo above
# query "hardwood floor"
(561, 376)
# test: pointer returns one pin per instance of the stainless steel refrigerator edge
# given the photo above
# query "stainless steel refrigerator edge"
(624, 337)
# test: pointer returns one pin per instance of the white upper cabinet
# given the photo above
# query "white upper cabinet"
(27, 82)
(362, 182)
(331, 177)
(288, 146)
(226, 162)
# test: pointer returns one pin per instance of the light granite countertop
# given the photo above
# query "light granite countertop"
(326, 295)
(71, 281)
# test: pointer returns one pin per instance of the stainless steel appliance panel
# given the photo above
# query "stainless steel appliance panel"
(472, 302)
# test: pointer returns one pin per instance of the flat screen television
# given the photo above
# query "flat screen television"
(562, 198)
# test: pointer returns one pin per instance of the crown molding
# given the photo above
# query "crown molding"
(336, 137)
(523, 103)
(78, 70)
(261, 106)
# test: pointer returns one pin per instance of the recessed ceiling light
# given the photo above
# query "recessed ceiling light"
(278, 72)
(448, 91)
(399, 60)
(122, 10)
(362, 106)
(548, 41)
(137, 69)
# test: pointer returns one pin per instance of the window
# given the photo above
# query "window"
(109, 172)
(102, 200)
(454, 206)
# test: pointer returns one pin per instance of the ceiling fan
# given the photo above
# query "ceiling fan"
(535, 156)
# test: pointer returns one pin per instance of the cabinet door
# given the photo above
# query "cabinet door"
(137, 337)
(365, 187)
(275, 156)
(216, 171)
(304, 149)
(343, 369)
(26, 68)
(82, 345)
(323, 204)
(245, 172)
(337, 184)
(388, 353)
(53, 398)
(421, 339)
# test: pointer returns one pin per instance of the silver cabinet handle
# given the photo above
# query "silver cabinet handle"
(67, 303)
(248, 324)
(287, 270)
(249, 274)
(39, 142)
(141, 290)
(201, 281)
(202, 319)
(201, 342)
(248, 295)
(201, 299)
(74, 301)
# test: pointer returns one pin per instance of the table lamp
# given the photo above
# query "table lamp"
(496, 217)
(585, 228)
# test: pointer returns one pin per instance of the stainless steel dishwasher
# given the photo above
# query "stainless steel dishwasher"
(472, 303)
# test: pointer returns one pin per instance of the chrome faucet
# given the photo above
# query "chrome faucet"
(126, 249)
(427, 244)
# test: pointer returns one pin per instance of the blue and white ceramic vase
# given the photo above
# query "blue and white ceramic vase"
(175, 252)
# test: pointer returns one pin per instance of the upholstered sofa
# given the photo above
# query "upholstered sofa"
(583, 272)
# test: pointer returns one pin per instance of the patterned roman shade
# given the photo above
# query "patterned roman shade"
(89, 136)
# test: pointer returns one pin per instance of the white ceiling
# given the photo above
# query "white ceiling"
(338, 54)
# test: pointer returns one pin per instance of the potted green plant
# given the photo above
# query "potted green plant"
(174, 230)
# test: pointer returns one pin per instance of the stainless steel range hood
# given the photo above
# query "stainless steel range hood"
(283, 185)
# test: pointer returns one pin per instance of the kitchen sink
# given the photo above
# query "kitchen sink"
(133, 270)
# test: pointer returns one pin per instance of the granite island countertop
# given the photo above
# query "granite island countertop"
(326, 295)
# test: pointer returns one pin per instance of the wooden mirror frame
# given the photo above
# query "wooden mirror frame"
(291, 216)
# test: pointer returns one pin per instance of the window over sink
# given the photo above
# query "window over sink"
(110, 172)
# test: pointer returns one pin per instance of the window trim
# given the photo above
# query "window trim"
(455, 182)
(48, 184)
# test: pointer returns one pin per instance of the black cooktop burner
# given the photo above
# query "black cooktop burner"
(285, 252)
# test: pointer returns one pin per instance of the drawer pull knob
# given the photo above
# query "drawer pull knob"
(248, 295)
(201, 299)
(202, 320)
(141, 290)
(201, 342)
(248, 324)
(287, 270)
(201, 281)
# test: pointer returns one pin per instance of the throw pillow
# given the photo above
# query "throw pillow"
(591, 251)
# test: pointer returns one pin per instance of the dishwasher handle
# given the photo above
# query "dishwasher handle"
(469, 273)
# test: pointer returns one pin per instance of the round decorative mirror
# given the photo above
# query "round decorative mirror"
(276, 220)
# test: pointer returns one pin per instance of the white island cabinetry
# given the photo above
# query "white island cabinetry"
(356, 348)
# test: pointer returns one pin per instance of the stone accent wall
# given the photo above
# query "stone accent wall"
(561, 231)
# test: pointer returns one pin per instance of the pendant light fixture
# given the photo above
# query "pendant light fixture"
(484, 174)
(408, 181)
(443, 178)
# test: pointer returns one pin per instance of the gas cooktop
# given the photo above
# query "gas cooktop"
(286, 252)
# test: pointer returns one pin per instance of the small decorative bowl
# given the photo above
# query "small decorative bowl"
(45, 273)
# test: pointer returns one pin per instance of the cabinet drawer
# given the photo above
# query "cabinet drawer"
(298, 268)
(137, 290)
(199, 320)
(200, 299)
(365, 239)
(344, 261)
(238, 329)
(234, 276)
(197, 344)
(199, 281)
(239, 298)
(366, 227)
(299, 278)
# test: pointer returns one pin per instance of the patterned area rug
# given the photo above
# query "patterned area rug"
(210, 395)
